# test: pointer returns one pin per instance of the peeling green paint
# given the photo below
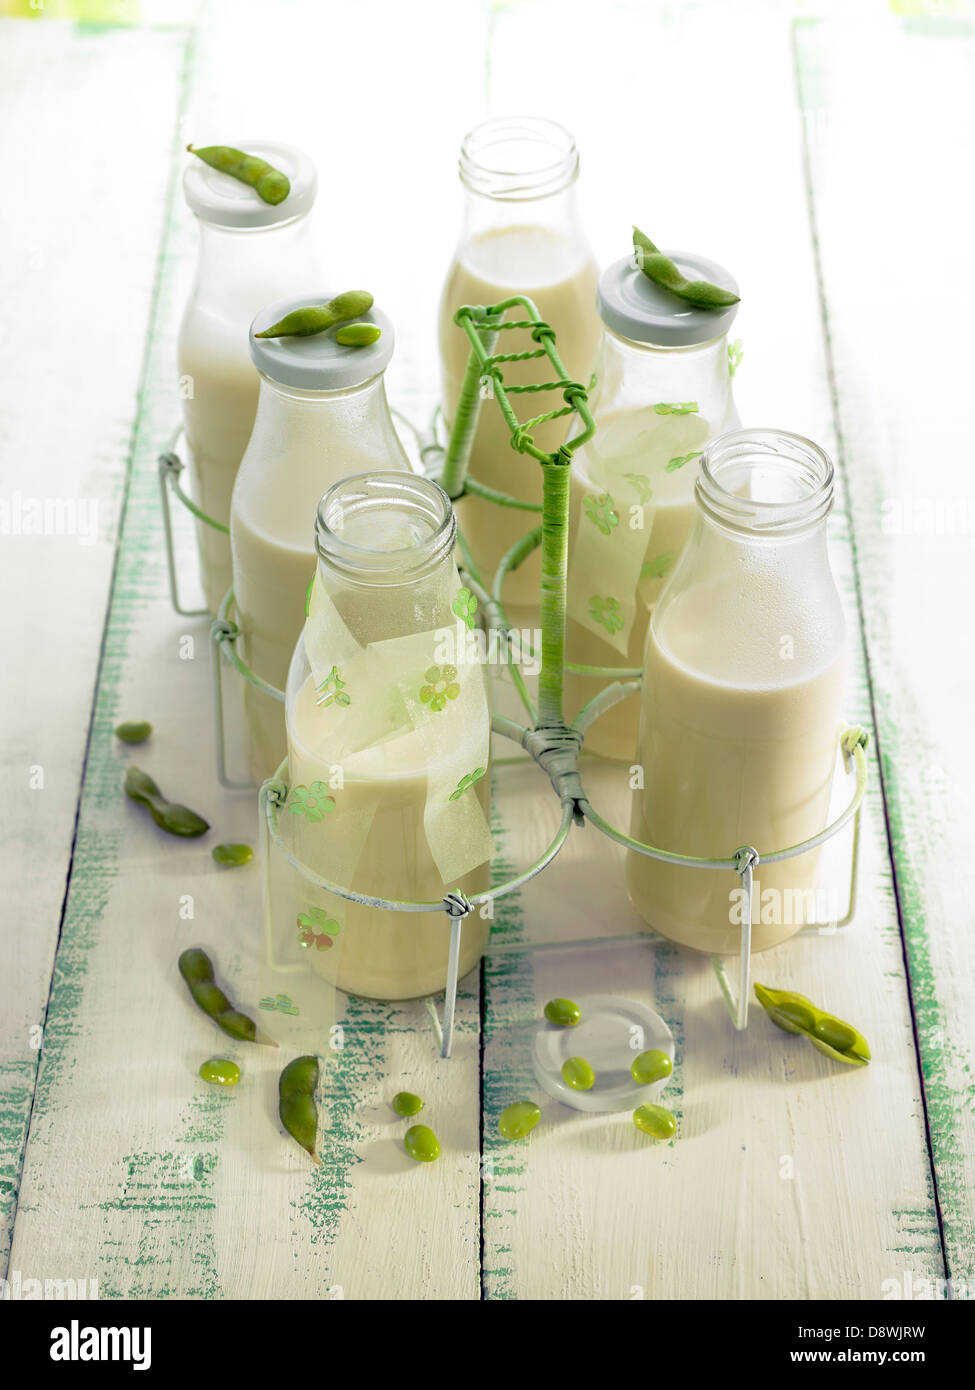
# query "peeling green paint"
(508, 1001)
(913, 838)
(167, 1196)
(16, 1092)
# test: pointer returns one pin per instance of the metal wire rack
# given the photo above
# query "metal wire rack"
(552, 743)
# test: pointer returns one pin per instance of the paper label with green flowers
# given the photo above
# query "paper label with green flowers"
(412, 718)
(634, 487)
(317, 930)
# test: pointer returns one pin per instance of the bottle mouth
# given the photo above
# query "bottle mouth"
(765, 482)
(518, 158)
(384, 528)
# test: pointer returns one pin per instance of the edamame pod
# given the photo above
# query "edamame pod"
(662, 271)
(317, 318)
(270, 185)
(196, 969)
(170, 816)
(296, 1102)
(794, 1013)
(134, 731)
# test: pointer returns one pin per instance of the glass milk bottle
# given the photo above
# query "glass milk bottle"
(322, 415)
(521, 234)
(394, 736)
(742, 690)
(250, 253)
(663, 389)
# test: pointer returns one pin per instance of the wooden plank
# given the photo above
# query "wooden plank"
(787, 1180)
(901, 366)
(136, 1174)
(136, 1178)
(76, 278)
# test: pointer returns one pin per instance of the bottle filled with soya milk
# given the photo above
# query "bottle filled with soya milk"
(250, 253)
(521, 234)
(663, 390)
(742, 689)
(322, 415)
(387, 741)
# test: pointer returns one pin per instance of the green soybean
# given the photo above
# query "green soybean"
(421, 1144)
(519, 1119)
(268, 183)
(792, 1013)
(196, 969)
(831, 1036)
(655, 1120)
(358, 334)
(650, 1067)
(564, 1013)
(663, 272)
(835, 1032)
(220, 1071)
(168, 815)
(405, 1103)
(578, 1073)
(232, 856)
(296, 1102)
(317, 318)
(134, 731)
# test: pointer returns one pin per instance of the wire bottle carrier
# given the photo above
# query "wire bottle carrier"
(546, 737)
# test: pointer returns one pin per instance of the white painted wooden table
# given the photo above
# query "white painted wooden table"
(842, 205)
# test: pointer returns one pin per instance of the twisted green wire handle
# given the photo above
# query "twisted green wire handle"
(428, 444)
(482, 326)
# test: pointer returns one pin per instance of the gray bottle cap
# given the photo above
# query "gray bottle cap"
(318, 363)
(634, 307)
(223, 201)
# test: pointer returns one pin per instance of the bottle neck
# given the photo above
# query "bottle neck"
(751, 601)
(249, 267)
(762, 498)
(765, 486)
(557, 213)
(384, 528)
(519, 172)
(632, 376)
(385, 543)
(356, 419)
